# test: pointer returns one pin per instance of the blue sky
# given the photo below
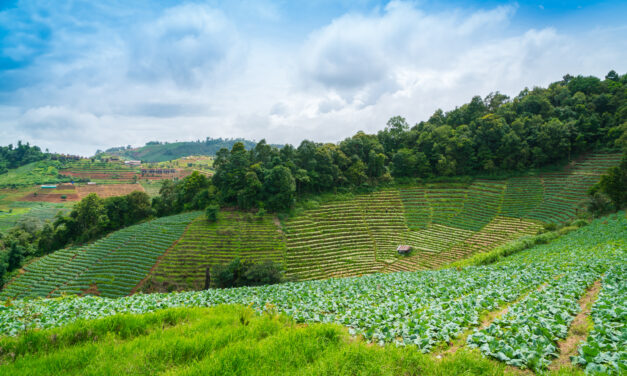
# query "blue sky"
(76, 76)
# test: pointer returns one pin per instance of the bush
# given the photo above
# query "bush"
(600, 204)
(238, 273)
(212, 213)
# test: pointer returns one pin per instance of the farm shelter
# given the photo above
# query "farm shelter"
(403, 249)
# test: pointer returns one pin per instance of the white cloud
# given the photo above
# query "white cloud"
(189, 44)
(190, 71)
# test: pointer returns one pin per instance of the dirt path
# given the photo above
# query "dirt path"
(578, 330)
(460, 342)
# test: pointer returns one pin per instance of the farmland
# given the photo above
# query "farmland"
(101, 171)
(357, 235)
(206, 244)
(427, 311)
(112, 266)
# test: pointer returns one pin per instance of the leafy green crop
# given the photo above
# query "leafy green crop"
(606, 347)
(417, 308)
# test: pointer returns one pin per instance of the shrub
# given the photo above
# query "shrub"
(212, 213)
(238, 273)
(600, 204)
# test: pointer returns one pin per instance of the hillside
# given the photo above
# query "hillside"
(443, 222)
(529, 310)
(161, 152)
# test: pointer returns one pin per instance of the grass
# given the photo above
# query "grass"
(12, 213)
(222, 340)
(42, 172)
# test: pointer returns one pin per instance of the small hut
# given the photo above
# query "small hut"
(403, 249)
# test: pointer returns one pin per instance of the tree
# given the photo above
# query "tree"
(279, 188)
(90, 216)
(403, 163)
(614, 184)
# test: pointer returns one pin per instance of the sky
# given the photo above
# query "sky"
(77, 76)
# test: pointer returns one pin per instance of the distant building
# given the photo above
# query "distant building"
(133, 163)
(403, 249)
(50, 186)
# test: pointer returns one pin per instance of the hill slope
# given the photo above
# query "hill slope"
(161, 152)
(520, 309)
(442, 222)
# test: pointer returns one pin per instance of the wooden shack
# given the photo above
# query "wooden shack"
(403, 249)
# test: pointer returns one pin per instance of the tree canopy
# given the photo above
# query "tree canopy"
(538, 127)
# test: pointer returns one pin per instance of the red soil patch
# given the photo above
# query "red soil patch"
(53, 195)
(126, 175)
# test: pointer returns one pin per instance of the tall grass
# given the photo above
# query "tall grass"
(224, 340)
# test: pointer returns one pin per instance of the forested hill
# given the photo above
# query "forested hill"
(538, 127)
(156, 151)
(22, 154)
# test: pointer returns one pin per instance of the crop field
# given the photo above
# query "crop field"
(42, 172)
(442, 222)
(205, 244)
(110, 190)
(62, 193)
(517, 311)
(151, 187)
(30, 212)
(112, 266)
(332, 240)
(102, 172)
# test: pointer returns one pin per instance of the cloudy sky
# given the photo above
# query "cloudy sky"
(76, 76)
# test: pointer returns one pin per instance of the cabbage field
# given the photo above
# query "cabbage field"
(541, 288)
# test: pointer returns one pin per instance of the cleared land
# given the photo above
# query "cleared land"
(111, 190)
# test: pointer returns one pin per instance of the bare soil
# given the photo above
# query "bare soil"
(109, 190)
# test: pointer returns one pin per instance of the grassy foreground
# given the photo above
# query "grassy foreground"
(223, 340)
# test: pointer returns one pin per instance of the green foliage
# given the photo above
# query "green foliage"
(14, 157)
(490, 136)
(224, 340)
(239, 273)
(614, 186)
(113, 265)
(602, 353)
(211, 213)
(35, 173)
(421, 310)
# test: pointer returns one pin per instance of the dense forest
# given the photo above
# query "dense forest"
(495, 134)
(155, 151)
(14, 157)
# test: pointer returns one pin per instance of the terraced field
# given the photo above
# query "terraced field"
(521, 311)
(442, 222)
(112, 266)
(205, 244)
(101, 172)
(333, 240)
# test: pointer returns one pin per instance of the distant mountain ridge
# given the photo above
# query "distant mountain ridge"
(155, 151)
